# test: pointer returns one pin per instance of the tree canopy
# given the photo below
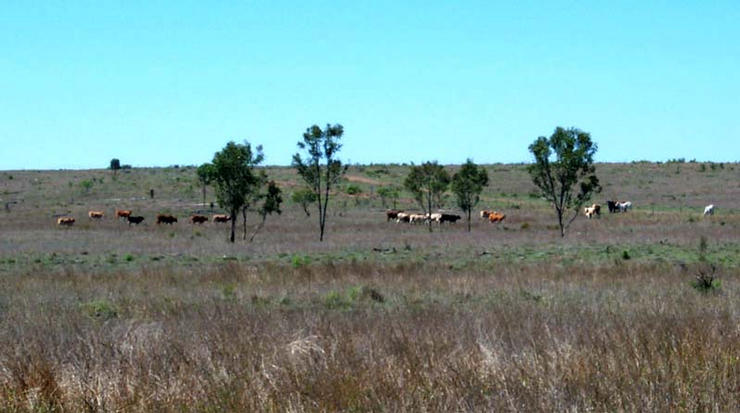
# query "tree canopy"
(467, 184)
(319, 167)
(427, 182)
(564, 171)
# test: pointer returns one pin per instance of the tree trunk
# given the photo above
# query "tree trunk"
(429, 212)
(234, 215)
(244, 217)
(469, 219)
(259, 227)
(204, 196)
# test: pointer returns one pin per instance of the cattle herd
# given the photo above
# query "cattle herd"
(399, 216)
(127, 216)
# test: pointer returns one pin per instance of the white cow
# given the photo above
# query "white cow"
(418, 218)
(709, 210)
(624, 206)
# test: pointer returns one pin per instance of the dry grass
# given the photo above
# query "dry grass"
(276, 337)
(104, 317)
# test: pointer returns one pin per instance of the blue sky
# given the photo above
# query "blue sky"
(157, 83)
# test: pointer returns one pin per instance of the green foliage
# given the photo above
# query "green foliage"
(568, 180)
(115, 164)
(353, 189)
(334, 300)
(427, 182)
(467, 184)
(86, 185)
(298, 261)
(129, 257)
(626, 255)
(388, 192)
(304, 197)
(320, 169)
(237, 183)
(99, 309)
(706, 282)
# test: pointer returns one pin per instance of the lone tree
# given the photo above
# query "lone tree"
(427, 182)
(235, 179)
(304, 197)
(467, 184)
(115, 165)
(205, 176)
(271, 200)
(388, 192)
(320, 169)
(563, 170)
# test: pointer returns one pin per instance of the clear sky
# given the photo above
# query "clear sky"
(157, 83)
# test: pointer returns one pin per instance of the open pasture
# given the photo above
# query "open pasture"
(382, 316)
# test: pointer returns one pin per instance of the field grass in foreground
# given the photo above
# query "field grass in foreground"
(370, 336)
(379, 317)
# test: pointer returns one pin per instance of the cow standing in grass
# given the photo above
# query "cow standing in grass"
(95, 214)
(709, 210)
(166, 219)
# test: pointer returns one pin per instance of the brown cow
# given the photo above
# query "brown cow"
(496, 216)
(123, 213)
(95, 214)
(392, 214)
(198, 219)
(68, 221)
(221, 218)
(166, 219)
(485, 213)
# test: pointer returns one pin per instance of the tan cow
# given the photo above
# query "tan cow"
(221, 218)
(67, 221)
(95, 214)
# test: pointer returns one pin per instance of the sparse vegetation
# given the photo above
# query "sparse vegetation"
(379, 316)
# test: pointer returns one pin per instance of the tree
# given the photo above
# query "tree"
(115, 165)
(427, 182)
(467, 184)
(235, 179)
(568, 179)
(304, 197)
(253, 198)
(272, 199)
(388, 192)
(205, 176)
(321, 145)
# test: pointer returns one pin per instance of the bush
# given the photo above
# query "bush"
(100, 309)
(353, 190)
(626, 255)
(706, 281)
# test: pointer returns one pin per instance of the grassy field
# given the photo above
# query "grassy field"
(379, 317)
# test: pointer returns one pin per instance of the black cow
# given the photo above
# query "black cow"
(134, 220)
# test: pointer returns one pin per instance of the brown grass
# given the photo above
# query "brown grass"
(381, 317)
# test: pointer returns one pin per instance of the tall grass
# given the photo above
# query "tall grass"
(541, 337)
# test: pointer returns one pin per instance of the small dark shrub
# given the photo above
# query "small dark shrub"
(626, 255)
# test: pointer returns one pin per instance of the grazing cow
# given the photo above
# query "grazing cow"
(403, 217)
(593, 210)
(451, 218)
(624, 206)
(391, 214)
(166, 219)
(198, 219)
(67, 221)
(612, 205)
(221, 218)
(123, 213)
(134, 220)
(95, 214)
(436, 217)
(484, 214)
(496, 217)
(418, 218)
(709, 210)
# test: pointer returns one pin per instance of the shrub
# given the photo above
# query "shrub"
(706, 282)
(100, 309)
(626, 255)
(353, 190)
